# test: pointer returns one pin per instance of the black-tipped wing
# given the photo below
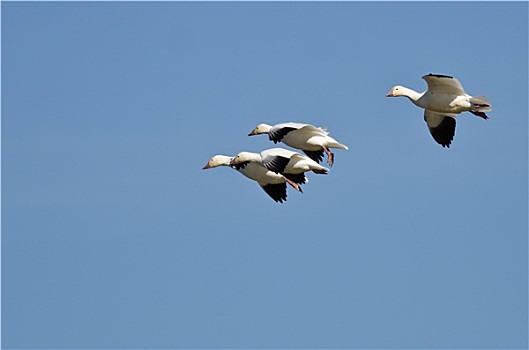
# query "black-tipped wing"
(296, 178)
(277, 134)
(316, 156)
(438, 83)
(275, 163)
(441, 126)
(241, 165)
(278, 192)
(438, 76)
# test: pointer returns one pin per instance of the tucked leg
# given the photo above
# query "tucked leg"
(293, 184)
(330, 155)
(480, 114)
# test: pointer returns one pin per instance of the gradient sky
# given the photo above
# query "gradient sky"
(113, 236)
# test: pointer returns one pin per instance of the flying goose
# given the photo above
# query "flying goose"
(312, 140)
(281, 161)
(272, 183)
(442, 102)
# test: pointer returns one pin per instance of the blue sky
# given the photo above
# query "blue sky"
(113, 236)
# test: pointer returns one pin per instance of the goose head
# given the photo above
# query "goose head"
(242, 157)
(260, 129)
(397, 91)
(218, 160)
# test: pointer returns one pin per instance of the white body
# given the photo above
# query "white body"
(444, 95)
(253, 171)
(442, 102)
(274, 184)
(301, 136)
(296, 163)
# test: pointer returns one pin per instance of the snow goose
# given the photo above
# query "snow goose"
(442, 102)
(281, 161)
(272, 183)
(312, 140)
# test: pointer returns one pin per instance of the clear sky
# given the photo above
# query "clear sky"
(113, 236)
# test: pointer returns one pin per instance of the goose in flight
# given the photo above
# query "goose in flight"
(312, 140)
(281, 161)
(442, 102)
(272, 183)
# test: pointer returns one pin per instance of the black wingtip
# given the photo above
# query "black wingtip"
(296, 178)
(316, 156)
(278, 192)
(277, 135)
(439, 76)
(277, 164)
(444, 133)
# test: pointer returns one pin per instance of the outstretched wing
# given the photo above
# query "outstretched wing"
(297, 178)
(279, 131)
(276, 134)
(443, 84)
(278, 192)
(275, 163)
(316, 156)
(441, 126)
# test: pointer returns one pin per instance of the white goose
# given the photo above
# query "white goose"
(312, 140)
(442, 102)
(281, 161)
(272, 183)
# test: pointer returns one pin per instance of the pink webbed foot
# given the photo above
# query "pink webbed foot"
(319, 171)
(330, 156)
(293, 184)
(480, 114)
